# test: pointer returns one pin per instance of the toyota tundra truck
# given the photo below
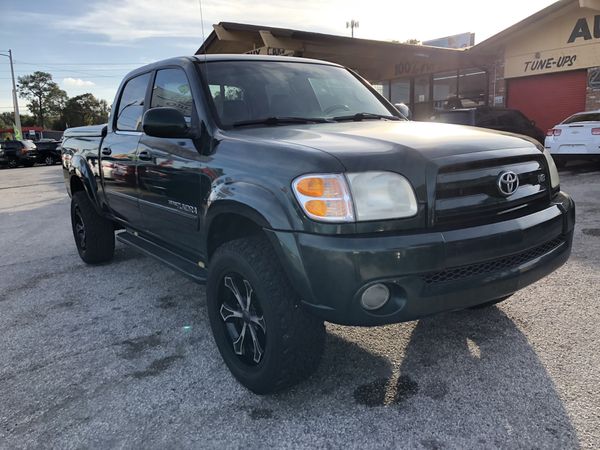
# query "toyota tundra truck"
(299, 195)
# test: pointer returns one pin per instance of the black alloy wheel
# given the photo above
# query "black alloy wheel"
(242, 318)
(79, 229)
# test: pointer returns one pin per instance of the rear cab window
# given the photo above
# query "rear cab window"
(131, 104)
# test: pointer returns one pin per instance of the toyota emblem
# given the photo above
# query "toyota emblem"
(507, 183)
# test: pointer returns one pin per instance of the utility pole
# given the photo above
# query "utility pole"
(352, 25)
(18, 133)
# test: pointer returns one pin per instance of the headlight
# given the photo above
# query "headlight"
(382, 195)
(554, 178)
(324, 197)
(364, 196)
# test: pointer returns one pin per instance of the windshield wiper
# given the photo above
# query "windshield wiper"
(280, 121)
(365, 115)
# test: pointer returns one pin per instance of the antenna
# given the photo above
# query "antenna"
(202, 27)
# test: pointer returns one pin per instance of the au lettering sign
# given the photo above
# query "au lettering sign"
(582, 30)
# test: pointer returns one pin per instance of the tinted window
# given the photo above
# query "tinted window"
(131, 104)
(171, 89)
(589, 117)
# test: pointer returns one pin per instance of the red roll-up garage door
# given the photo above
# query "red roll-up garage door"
(548, 99)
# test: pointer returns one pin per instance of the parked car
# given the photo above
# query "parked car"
(501, 119)
(17, 153)
(48, 151)
(577, 137)
(299, 195)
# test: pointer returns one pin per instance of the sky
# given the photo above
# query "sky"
(88, 46)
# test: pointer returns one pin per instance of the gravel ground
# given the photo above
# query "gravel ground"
(121, 355)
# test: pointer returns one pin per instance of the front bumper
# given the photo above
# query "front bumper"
(428, 272)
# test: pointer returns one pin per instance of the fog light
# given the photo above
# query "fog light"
(375, 297)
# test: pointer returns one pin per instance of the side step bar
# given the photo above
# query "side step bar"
(188, 268)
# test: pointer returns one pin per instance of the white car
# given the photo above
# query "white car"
(577, 137)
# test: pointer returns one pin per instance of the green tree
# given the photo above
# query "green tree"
(7, 120)
(46, 98)
(83, 110)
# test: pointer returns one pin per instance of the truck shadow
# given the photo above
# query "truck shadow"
(468, 378)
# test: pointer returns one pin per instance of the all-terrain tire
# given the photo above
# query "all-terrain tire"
(294, 339)
(94, 235)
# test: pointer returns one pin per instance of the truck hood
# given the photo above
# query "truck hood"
(355, 144)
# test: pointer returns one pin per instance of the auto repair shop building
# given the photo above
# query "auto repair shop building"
(547, 65)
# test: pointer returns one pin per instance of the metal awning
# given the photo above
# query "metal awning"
(374, 60)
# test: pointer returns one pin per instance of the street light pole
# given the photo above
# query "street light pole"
(17, 131)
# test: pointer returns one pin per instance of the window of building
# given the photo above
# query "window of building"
(472, 87)
(422, 89)
(400, 91)
(445, 86)
(171, 89)
(383, 87)
(131, 104)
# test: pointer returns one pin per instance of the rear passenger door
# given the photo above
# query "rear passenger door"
(171, 182)
(118, 153)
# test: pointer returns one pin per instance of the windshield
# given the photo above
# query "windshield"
(244, 91)
(589, 117)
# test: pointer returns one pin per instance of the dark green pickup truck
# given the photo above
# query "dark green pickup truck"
(299, 195)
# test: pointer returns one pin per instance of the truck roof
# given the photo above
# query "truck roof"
(227, 57)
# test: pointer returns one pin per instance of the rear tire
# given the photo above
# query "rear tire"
(491, 303)
(282, 344)
(49, 160)
(94, 235)
(13, 163)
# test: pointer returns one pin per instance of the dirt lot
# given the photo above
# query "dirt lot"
(121, 355)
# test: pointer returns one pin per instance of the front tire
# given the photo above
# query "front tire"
(94, 235)
(266, 339)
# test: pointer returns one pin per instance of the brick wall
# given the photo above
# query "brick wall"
(592, 101)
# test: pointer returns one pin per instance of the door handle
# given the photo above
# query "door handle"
(106, 151)
(145, 155)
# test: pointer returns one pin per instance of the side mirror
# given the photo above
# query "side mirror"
(165, 123)
(403, 109)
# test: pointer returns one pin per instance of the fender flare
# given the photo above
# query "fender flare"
(79, 168)
(250, 200)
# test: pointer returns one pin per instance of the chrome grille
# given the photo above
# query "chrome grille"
(468, 194)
